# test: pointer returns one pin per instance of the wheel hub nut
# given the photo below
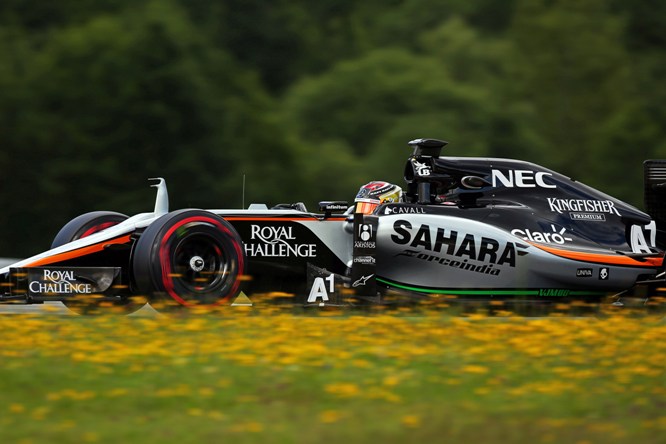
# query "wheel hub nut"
(197, 263)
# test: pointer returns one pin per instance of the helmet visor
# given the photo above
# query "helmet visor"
(366, 206)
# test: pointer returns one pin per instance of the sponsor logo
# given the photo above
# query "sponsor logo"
(277, 241)
(603, 274)
(643, 238)
(584, 272)
(593, 217)
(360, 244)
(362, 281)
(404, 210)
(365, 234)
(367, 260)
(319, 289)
(521, 179)
(555, 237)
(553, 292)
(463, 264)
(59, 282)
(422, 169)
(335, 207)
(465, 251)
(583, 209)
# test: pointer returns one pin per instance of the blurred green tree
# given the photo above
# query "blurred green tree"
(107, 104)
(449, 88)
(578, 87)
(310, 100)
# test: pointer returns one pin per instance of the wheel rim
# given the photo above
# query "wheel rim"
(199, 264)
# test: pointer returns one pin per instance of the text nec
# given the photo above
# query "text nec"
(521, 179)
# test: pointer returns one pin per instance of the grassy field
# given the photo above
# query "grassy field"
(332, 377)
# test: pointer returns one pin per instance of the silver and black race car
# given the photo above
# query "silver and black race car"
(474, 228)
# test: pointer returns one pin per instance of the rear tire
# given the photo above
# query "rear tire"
(189, 258)
(78, 228)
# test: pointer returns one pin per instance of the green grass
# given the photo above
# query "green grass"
(432, 378)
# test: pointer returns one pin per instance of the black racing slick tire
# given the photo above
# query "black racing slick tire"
(189, 258)
(85, 225)
(78, 228)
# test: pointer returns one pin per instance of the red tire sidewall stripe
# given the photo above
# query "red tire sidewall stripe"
(99, 227)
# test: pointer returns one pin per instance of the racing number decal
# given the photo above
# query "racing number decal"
(639, 235)
(318, 289)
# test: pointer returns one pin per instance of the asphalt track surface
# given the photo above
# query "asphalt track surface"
(59, 309)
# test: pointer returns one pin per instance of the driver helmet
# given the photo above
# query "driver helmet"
(372, 194)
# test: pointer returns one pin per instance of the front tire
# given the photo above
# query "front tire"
(84, 226)
(189, 258)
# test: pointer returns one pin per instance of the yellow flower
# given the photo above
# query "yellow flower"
(330, 416)
(16, 408)
(40, 413)
(117, 392)
(411, 421)
(342, 389)
(478, 369)
(216, 415)
(391, 380)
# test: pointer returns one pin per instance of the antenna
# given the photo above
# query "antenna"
(243, 207)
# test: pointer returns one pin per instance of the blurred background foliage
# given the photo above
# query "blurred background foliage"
(309, 100)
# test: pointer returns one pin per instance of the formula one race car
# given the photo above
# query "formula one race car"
(475, 228)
